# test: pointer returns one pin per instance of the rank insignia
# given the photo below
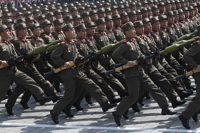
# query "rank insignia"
(101, 38)
(20, 46)
(109, 35)
(69, 50)
(4, 48)
(90, 43)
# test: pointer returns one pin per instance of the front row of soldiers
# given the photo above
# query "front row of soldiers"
(90, 78)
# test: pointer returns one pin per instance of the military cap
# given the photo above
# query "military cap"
(20, 26)
(3, 28)
(127, 26)
(176, 12)
(45, 9)
(68, 17)
(57, 12)
(198, 4)
(144, 10)
(73, 9)
(161, 4)
(108, 17)
(27, 14)
(93, 12)
(138, 23)
(52, 8)
(154, 7)
(131, 13)
(67, 27)
(50, 14)
(126, 6)
(180, 11)
(76, 17)
(132, 4)
(123, 14)
(194, 4)
(57, 22)
(185, 9)
(34, 26)
(170, 14)
(154, 19)
(81, 9)
(108, 10)
(190, 8)
(85, 14)
(90, 24)
(162, 17)
(167, 2)
(8, 15)
(138, 12)
(100, 21)
(113, 7)
(146, 20)
(121, 7)
(177, 2)
(23, 9)
(21, 20)
(41, 17)
(138, 4)
(14, 10)
(9, 21)
(116, 16)
(45, 23)
(36, 11)
(101, 10)
(80, 27)
(29, 19)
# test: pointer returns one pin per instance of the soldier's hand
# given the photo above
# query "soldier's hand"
(67, 65)
(149, 62)
(4, 64)
(198, 68)
(130, 63)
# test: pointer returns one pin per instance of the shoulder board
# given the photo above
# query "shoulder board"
(125, 41)
(15, 39)
(96, 32)
(62, 43)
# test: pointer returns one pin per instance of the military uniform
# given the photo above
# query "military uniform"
(192, 58)
(72, 77)
(134, 76)
(11, 74)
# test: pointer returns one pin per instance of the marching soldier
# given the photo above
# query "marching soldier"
(135, 76)
(192, 58)
(73, 76)
(10, 73)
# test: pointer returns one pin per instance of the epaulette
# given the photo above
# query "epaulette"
(97, 33)
(63, 42)
(16, 39)
(125, 41)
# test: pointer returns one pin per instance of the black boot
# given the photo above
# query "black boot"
(68, 113)
(117, 118)
(9, 109)
(24, 104)
(54, 117)
(125, 115)
(167, 112)
(195, 117)
(78, 107)
(115, 100)
(123, 93)
(88, 98)
(184, 122)
(185, 94)
(55, 98)
(135, 107)
(178, 103)
(44, 100)
(106, 107)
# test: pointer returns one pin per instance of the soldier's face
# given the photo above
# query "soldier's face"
(145, 15)
(125, 19)
(101, 27)
(94, 17)
(86, 19)
(70, 34)
(156, 26)
(147, 28)
(117, 22)
(133, 18)
(109, 24)
(130, 33)
(81, 34)
(23, 32)
(182, 17)
(168, 7)
(139, 16)
(178, 6)
(139, 30)
(114, 12)
(5, 34)
(58, 27)
(164, 24)
(170, 20)
(109, 13)
(91, 31)
(36, 32)
(155, 12)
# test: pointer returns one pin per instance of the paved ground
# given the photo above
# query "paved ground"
(91, 120)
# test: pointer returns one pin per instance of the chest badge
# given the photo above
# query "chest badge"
(69, 50)
(4, 48)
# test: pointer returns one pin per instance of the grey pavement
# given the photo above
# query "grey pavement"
(92, 120)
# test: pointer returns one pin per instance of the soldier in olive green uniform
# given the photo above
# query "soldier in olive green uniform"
(151, 70)
(10, 73)
(119, 35)
(58, 34)
(192, 58)
(73, 76)
(23, 47)
(135, 76)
